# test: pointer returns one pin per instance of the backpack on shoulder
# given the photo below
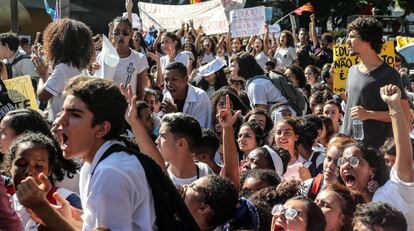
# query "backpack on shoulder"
(170, 210)
(10, 65)
(296, 99)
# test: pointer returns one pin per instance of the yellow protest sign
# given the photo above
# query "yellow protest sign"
(343, 61)
(21, 92)
(402, 41)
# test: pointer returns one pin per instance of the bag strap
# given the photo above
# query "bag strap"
(163, 191)
(316, 186)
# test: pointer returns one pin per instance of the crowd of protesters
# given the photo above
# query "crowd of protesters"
(194, 133)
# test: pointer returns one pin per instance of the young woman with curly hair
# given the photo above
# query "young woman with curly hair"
(68, 48)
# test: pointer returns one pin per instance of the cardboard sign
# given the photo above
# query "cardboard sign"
(210, 15)
(343, 61)
(6, 104)
(21, 92)
(247, 22)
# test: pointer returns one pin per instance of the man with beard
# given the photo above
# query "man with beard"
(364, 81)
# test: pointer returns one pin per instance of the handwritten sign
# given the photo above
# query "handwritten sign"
(247, 22)
(210, 15)
(343, 61)
(21, 92)
(403, 41)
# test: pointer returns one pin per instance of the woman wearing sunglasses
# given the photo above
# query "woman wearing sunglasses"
(298, 214)
(363, 169)
(132, 66)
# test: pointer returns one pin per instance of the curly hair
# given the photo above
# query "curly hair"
(378, 214)
(68, 41)
(369, 29)
(28, 120)
(103, 99)
(221, 195)
(42, 141)
(289, 39)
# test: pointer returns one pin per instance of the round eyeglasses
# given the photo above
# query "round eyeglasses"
(289, 213)
(353, 161)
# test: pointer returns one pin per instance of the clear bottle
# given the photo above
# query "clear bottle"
(358, 129)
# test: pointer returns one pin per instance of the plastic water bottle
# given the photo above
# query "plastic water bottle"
(358, 129)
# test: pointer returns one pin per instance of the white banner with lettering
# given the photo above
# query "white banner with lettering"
(247, 22)
(209, 14)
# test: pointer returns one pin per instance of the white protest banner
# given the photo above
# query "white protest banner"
(210, 15)
(247, 22)
(108, 60)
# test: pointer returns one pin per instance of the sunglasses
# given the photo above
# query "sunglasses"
(289, 213)
(353, 161)
(117, 33)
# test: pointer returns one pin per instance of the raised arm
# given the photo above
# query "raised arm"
(249, 47)
(266, 40)
(312, 31)
(197, 43)
(230, 156)
(228, 42)
(391, 95)
(144, 141)
(128, 6)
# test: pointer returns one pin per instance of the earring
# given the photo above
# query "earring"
(372, 185)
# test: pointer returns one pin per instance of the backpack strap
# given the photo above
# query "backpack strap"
(315, 186)
(171, 211)
(10, 65)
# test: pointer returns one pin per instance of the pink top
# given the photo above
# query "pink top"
(9, 220)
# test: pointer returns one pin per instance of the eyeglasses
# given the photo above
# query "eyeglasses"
(289, 213)
(353, 161)
(117, 33)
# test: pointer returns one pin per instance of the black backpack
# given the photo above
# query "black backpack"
(9, 65)
(296, 99)
(171, 211)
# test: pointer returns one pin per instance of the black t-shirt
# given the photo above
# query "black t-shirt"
(363, 89)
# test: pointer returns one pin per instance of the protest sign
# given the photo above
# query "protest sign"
(210, 15)
(275, 29)
(6, 104)
(108, 59)
(21, 92)
(403, 41)
(247, 22)
(230, 5)
(343, 61)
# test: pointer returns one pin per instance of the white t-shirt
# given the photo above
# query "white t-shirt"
(128, 68)
(263, 91)
(399, 194)
(207, 58)
(181, 58)
(55, 84)
(202, 170)
(285, 56)
(261, 59)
